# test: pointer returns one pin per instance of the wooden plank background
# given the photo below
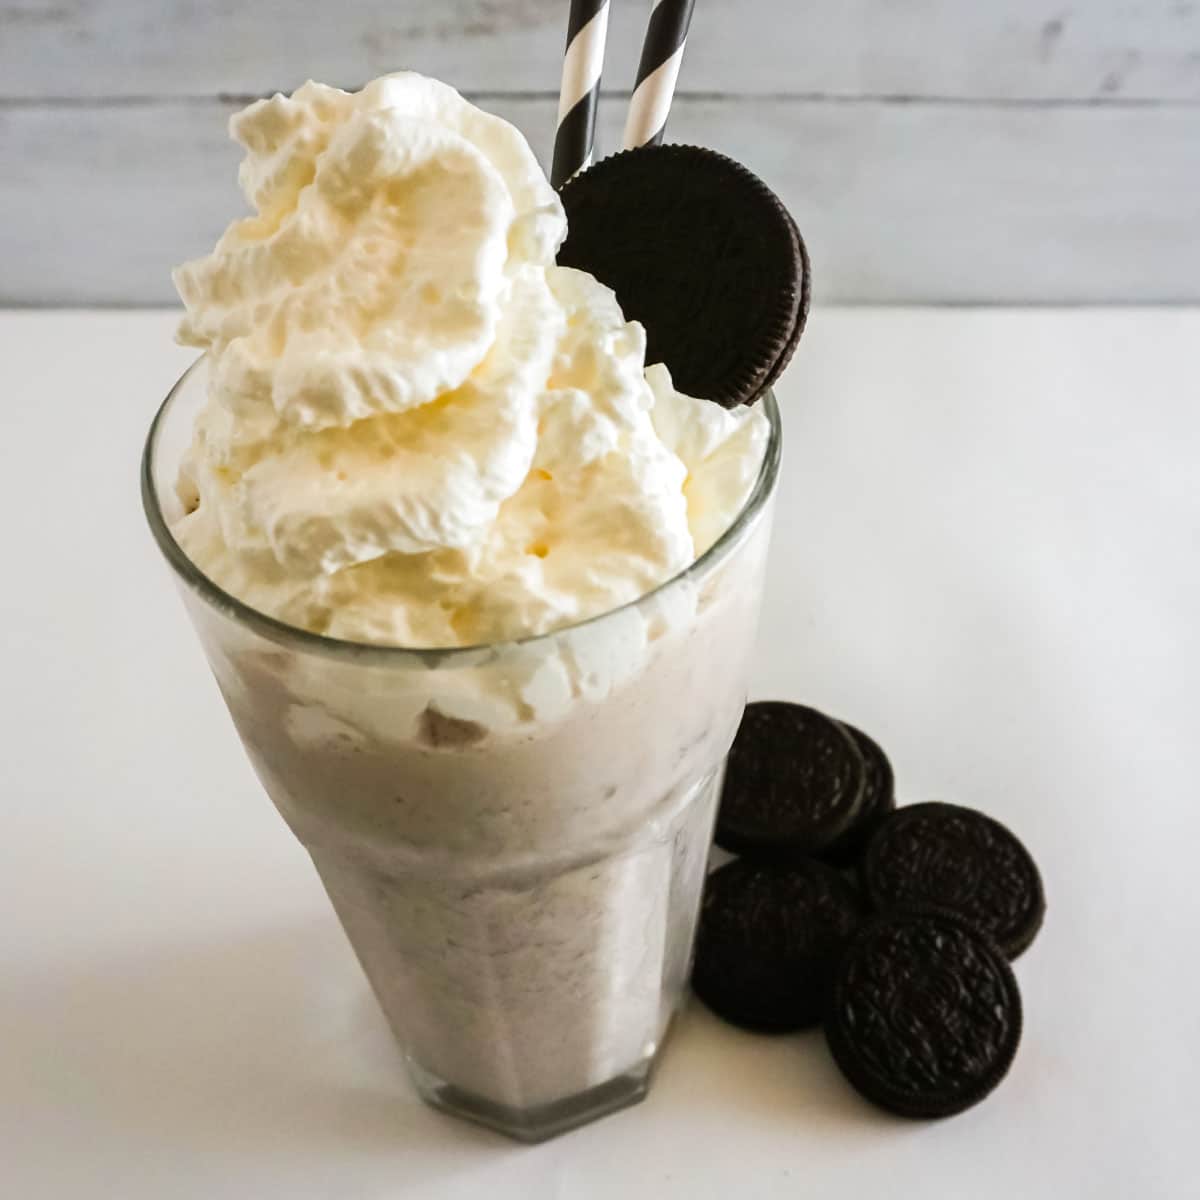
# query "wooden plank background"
(939, 151)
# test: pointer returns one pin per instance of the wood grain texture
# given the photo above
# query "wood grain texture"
(934, 150)
(913, 202)
(1000, 49)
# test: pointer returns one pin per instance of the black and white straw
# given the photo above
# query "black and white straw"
(662, 52)
(587, 28)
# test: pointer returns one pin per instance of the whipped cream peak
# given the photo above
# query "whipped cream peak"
(419, 430)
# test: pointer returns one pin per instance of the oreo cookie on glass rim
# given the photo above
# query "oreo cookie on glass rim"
(923, 1016)
(703, 254)
(767, 940)
(794, 783)
(958, 859)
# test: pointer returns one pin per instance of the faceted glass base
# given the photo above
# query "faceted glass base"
(545, 1121)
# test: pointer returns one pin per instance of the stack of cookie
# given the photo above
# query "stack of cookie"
(891, 927)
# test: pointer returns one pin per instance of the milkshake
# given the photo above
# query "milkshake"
(477, 584)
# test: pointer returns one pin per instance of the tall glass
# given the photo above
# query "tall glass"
(513, 836)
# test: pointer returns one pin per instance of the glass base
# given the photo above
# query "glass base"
(535, 1124)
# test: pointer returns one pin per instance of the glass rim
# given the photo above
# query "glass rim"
(282, 632)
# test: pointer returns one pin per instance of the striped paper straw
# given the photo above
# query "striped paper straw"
(662, 52)
(587, 27)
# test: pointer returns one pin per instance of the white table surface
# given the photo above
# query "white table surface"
(987, 553)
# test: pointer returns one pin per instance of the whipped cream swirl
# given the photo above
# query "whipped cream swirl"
(419, 430)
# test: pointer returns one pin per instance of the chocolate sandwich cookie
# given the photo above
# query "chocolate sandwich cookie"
(768, 937)
(703, 254)
(924, 1015)
(793, 783)
(957, 859)
(878, 799)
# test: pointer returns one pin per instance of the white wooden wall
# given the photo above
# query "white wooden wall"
(951, 151)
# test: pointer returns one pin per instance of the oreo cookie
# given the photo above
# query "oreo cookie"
(703, 254)
(879, 798)
(794, 783)
(924, 1015)
(958, 859)
(767, 941)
